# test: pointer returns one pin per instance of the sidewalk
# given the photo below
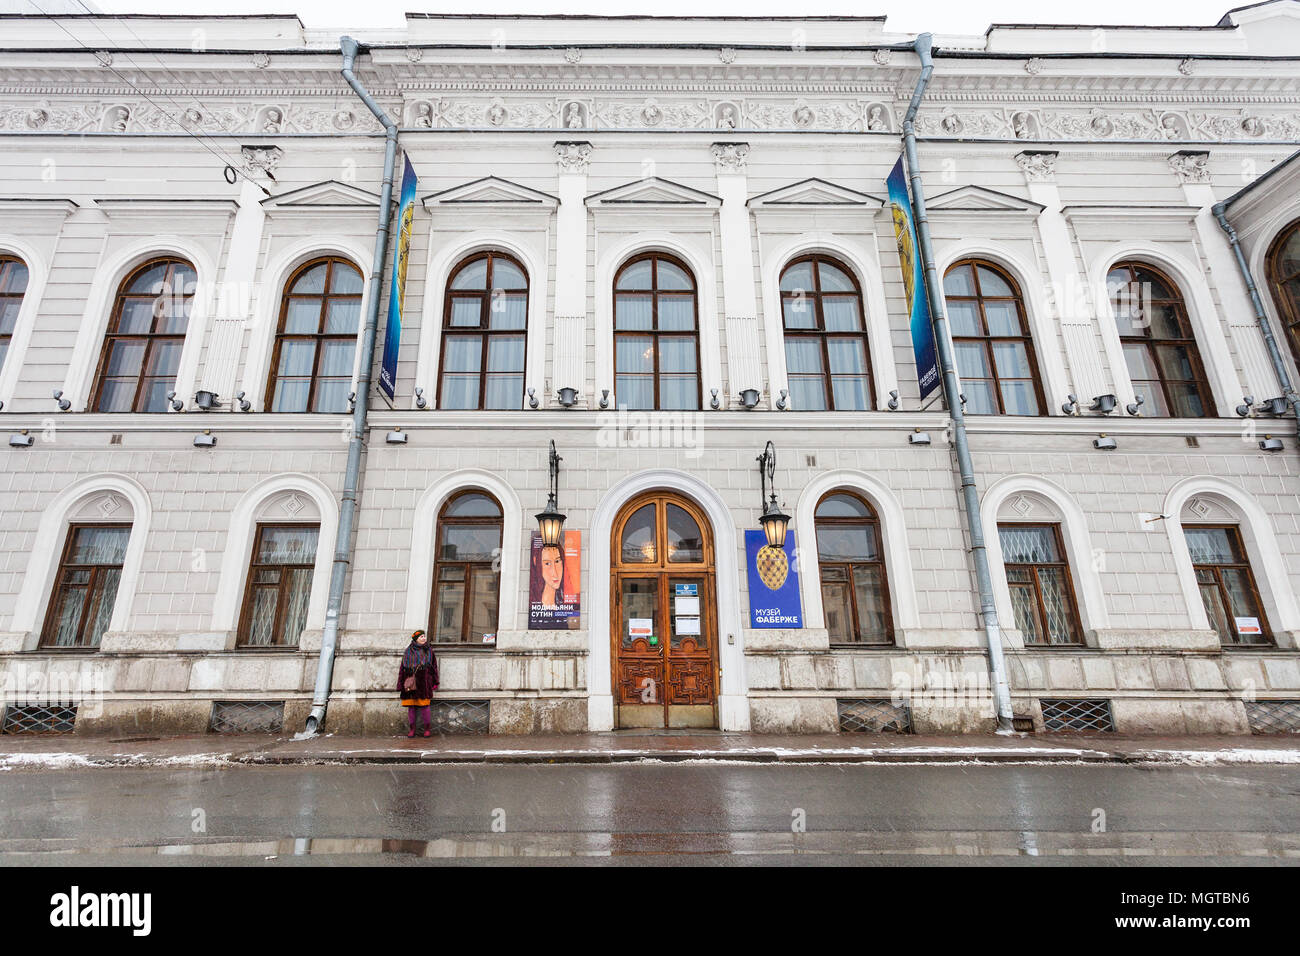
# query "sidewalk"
(59, 752)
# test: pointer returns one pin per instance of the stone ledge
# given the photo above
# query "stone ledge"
(1113, 639)
(805, 639)
(542, 642)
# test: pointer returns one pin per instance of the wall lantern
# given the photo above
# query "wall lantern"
(773, 519)
(550, 522)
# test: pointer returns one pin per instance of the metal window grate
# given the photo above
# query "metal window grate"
(247, 716)
(459, 716)
(1273, 716)
(874, 716)
(1088, 714)
(40, 718)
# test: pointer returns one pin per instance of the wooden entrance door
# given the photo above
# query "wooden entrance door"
(663, 627)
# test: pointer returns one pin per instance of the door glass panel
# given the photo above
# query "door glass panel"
(687, 610)
(685, 542)
(638, 545)
(640, 605)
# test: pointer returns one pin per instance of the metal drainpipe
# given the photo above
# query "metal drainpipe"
(952, 395)
(1275, 356)
(347, 510)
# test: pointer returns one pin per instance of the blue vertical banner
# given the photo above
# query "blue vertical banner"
(397, 290)
(909, 259)
(773, 582)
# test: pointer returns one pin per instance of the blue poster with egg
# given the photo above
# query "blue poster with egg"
(773, 582)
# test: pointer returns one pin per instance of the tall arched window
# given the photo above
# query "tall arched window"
(1284, 277)
(485, 321)
(855, 591)
(656, 334)
(146, 332)
(990, 335)
(316, 342)
(1159, 345)
(13, 285)
(466, 572)
(827, 359)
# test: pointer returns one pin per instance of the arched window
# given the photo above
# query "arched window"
(1042, 591)
(1159, 346)
(990, 336)
(485, 320)
(656, 335)
(1284, 277)
(827, 359)
(13, 285)
(1227, 584)
(146, 333)
(855, 591)
(86, 589)
(316, 342)
(466, 572)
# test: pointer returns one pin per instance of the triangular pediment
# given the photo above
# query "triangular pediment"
(980, 199)
(491, 191)
(653, 191)
(326, 194)
(815, 192)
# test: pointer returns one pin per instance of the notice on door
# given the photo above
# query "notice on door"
(688, 626)
(640, 627)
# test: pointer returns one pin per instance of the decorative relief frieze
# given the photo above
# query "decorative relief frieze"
(594, 112)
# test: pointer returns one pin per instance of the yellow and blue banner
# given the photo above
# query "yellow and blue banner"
(773, 582)
(909, 258)
(397, 290)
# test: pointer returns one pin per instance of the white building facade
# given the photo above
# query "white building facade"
(659, 244)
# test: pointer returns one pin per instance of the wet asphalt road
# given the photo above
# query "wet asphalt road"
(653, 813)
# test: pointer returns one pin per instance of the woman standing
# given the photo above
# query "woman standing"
(417, 679)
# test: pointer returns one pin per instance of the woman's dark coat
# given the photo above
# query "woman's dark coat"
(419, 660)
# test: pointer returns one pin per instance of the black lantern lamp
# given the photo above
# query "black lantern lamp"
(550, 522)
(773, 519)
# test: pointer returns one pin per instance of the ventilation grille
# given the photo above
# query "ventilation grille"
(1067, 715)
(1022, 723)
(1273, 716)
(40, 718)
(874, 716)
(459, 716)
(247, 716)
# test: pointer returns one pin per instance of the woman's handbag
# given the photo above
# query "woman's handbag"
(409, 683)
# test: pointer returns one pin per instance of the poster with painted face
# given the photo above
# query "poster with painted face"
(554, 601)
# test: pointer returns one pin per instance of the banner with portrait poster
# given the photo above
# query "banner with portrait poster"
(554, 598)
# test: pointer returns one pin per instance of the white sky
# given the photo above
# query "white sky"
(905, 16)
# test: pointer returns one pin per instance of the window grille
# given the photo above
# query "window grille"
(874, 716)
(459, 716)
(1273, 716)
(1069, 715)
(40, 718)
(247, 717)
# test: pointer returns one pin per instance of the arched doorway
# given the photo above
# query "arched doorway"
(663, 614)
